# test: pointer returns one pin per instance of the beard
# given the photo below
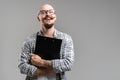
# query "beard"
(48, 26)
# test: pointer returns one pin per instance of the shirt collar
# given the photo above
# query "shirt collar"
(54, 34)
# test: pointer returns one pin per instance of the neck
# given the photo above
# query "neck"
(47, 32)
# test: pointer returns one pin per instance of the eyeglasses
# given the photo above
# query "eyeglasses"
(43, 12)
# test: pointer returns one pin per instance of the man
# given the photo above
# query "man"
(33, 65)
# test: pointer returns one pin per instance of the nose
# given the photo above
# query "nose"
(47, 12)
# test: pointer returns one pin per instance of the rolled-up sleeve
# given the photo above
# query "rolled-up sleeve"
(24, 66)
(67, 60)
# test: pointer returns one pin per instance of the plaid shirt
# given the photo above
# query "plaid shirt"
(59, 65)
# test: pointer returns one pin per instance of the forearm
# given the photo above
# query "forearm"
(62, 65)
(27, 69)
(43, 71)
(46, 64)
(39, 62)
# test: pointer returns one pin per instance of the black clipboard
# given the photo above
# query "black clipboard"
(48, 48)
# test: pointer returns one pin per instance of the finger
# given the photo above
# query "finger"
(33, 54)
(32, 61)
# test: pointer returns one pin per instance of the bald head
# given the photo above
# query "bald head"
(46, 7)
(47, 16)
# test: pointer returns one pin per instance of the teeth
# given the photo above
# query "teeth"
(48, 18)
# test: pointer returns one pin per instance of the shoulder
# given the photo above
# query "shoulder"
(63, 36)
(31, 38)
(66, 38)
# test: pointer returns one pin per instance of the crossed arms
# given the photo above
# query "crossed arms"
(33, 65)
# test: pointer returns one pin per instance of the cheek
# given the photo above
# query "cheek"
(53, 16)
(41, 17)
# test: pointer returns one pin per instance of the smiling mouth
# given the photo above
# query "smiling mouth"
(48, 18)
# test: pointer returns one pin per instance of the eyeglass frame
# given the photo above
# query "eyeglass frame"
(44, 12)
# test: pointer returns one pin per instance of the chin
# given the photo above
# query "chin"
(48, 26)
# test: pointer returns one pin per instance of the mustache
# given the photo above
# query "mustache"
(49, 16)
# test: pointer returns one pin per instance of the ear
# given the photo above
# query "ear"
(38, 18)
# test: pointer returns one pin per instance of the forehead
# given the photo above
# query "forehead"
(46, 7)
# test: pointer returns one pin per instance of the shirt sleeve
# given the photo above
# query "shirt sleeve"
(66, 62)
(24, 64)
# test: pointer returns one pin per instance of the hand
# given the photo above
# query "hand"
(39, 62)
(36, 60)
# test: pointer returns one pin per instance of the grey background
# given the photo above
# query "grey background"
(93, 24)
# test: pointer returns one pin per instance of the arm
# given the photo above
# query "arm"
(58, 65)
(44, 66)
(39, 62)
(65, 64)
(24, 66)
(43, 71)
